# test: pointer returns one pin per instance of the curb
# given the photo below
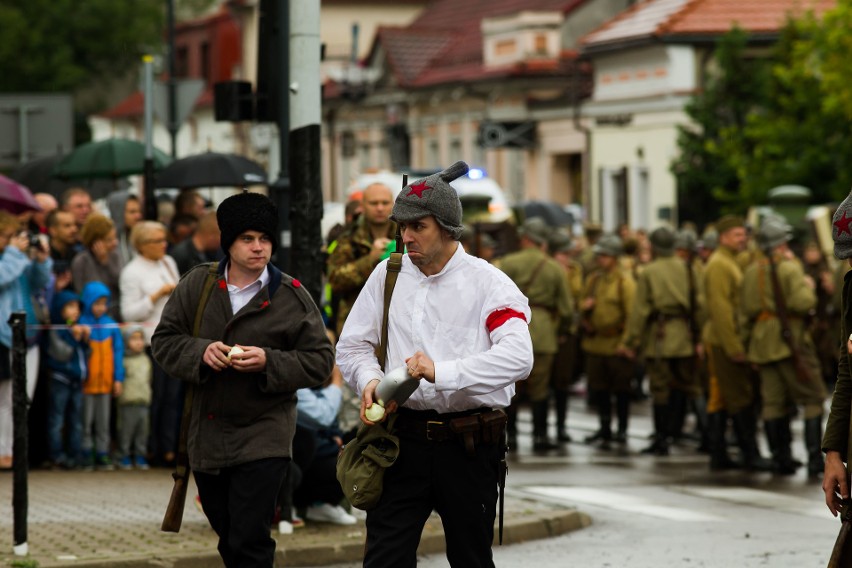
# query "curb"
(534, 526)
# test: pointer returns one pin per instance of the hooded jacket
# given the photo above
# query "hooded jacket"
(66, 356)
(106, 360)
(117, 203)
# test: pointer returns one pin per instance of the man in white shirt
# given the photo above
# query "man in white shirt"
(461, 327)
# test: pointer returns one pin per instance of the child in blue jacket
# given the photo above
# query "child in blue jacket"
(67, 358)
(105, 376)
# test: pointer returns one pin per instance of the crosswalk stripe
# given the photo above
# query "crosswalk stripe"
(618, 501)
(759, 498)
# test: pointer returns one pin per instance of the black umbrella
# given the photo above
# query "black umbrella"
(551, 213)
(211, 169)
(38, 176)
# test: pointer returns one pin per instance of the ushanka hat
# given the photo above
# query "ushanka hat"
(434, 196)
(247, 211)
(685, 239)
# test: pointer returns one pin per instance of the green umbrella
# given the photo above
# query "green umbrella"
(110, 158)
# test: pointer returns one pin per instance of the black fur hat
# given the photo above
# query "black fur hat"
(247, 212)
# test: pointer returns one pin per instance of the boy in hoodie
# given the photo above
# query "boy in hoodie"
(67, 355)
(134, 403)
(105, 374)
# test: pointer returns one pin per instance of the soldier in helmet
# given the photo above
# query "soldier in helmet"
(776, 298)
(686, 249)
(732, 385)
(568, 357)
(607, 301)
(659, 324)
(543, 282)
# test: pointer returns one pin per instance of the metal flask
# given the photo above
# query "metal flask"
(397, 385)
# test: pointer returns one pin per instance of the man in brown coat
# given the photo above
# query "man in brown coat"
(243, 413)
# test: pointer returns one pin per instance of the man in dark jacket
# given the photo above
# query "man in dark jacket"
(243, 412)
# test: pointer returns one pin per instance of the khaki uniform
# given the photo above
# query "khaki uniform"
(722, 281)
(659, 326)
(350, 265)
(766, 345)
(604, 329)
(542, 280)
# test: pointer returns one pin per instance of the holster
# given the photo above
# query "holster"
(469, 430)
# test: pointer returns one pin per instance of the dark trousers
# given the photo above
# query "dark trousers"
(166, 405)
(239, 502)
(439, 476)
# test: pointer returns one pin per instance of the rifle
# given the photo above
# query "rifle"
(840, 556)
(803, 374)
(174, 511)
(690, 313)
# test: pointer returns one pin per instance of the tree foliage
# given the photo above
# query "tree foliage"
(707, 180)
(60, 45)
(783, 119)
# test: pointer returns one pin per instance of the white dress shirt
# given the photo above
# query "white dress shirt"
(241, 296)
(445, 316)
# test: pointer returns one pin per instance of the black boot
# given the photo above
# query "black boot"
(677, 414)
(717, 426)
(604, 433)
(560, 398)
(660, 445)
(813, 443)
(778, 434)
(699, 408)
(622, 412)
(745, 427)
(540, 441)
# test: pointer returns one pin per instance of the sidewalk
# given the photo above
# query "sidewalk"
(103, 519)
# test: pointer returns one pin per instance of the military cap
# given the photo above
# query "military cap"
(434, 196)
(663, 241)
(841, 231)
(559, 241)
(535, 229)
(685, 239)
(608, 245)
(729, 222)
(773, 232)
(710, 240)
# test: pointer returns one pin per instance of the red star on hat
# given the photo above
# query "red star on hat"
(418, 189)
(842, 224)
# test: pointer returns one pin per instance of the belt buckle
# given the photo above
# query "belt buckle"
(428, 429)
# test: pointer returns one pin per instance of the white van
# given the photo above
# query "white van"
(474, 183)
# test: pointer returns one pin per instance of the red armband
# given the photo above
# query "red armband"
(499, 317)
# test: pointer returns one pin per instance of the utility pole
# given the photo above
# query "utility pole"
(305, 101)
(149, 200)
(172, 85)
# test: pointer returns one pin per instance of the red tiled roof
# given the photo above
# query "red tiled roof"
(134, 105)
(444, 43)
(666, 18)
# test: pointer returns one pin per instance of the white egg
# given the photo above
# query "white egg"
(375, 413)
(235, 350)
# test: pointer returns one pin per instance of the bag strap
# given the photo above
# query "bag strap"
(531, 281)
(394, 266)
(182, 457)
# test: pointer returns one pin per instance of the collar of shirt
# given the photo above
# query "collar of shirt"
(241, 296)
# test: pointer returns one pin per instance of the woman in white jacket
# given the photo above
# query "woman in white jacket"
(146, 283)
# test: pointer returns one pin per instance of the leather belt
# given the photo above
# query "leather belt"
(477, 426)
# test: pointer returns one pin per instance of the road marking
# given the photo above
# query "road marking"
(618, 501)
(759, 498)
